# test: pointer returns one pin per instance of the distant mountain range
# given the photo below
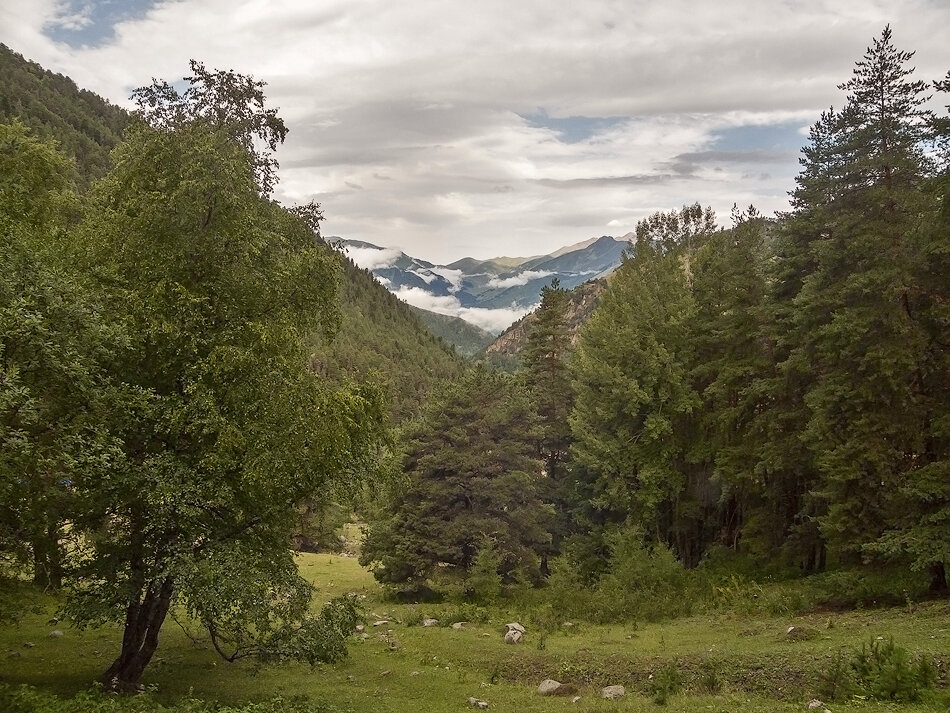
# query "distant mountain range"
(490, 294)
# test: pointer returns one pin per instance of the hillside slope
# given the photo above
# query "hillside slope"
(379, 334)
(86, 126)
(506, 349)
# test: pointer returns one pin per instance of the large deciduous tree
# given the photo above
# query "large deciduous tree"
(225, 429)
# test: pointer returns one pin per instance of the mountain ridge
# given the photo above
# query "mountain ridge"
(489, 293)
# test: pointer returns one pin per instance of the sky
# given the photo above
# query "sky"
(453, 128)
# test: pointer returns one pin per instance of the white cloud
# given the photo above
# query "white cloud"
(453, 277)
(372, 258)
(421, 104)
(491, 320)
(522, 278)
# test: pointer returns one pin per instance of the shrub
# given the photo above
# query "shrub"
(643, 582)
(665, 682)
(483, 584)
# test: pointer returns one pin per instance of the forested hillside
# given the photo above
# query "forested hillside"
(381, 335)
(378, 333)
(772, 397)
(85, 125)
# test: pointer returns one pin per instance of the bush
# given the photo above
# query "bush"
(483, 584)
(643, 582)
(665, 683)
(879, 670)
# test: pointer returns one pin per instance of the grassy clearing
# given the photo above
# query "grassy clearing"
(725, 662)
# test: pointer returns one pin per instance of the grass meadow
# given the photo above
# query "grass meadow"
(722, 662)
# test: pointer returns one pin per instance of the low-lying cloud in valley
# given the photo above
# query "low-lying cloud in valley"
(491, 320)
(522, 278)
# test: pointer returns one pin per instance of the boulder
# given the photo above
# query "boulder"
(55, 634)
(514, 626)
(514, 637)
(475, 703)
(459, 625)
(549, 687)
(814, 704)
(612, 692)
(430, 622)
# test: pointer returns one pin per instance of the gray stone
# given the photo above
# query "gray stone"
(29, 644)
(381, 622)
(459, 625)
(475, 703)
(514, 626)
(549, 687)
(430, 622)
(575, 699)
(55, 634)
(514, 637)
(612, 692)
(360, 628)
(814, 703)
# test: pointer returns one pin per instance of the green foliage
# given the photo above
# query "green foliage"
(665, 682)
(24, 699)
(483, 583)
(881, 670)
(472, 474)
(643, 581)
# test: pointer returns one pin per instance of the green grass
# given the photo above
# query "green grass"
(749, 663)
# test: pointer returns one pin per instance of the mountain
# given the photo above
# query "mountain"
(467, 339)
(505, 350)
(380, 336)
(86, 126)
(488, 293)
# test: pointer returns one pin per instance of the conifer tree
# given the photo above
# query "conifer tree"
(472, 482)
(859, 333)
(631, 420)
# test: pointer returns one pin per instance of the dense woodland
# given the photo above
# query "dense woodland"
(772, 395)
(191, 377)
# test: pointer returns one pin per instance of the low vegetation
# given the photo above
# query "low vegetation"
(732, 654)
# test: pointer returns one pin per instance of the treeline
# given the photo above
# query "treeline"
(775, 394)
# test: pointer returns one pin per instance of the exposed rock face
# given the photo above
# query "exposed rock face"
(583, 300)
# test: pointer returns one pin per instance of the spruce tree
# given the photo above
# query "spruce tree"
(853, 309)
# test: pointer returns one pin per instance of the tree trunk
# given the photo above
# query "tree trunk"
(143, 621)
(47, 559)
(938, 578)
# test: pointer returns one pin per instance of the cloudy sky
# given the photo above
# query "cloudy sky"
(451, 128)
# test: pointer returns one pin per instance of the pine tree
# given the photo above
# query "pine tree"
(472, 478)
(859, 335)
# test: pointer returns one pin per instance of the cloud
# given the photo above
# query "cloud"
(491, 320)
(522, 278)
(453, 277)
(372, 258)
(510, 129)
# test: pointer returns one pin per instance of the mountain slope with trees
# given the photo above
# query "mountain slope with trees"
(85, 125)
